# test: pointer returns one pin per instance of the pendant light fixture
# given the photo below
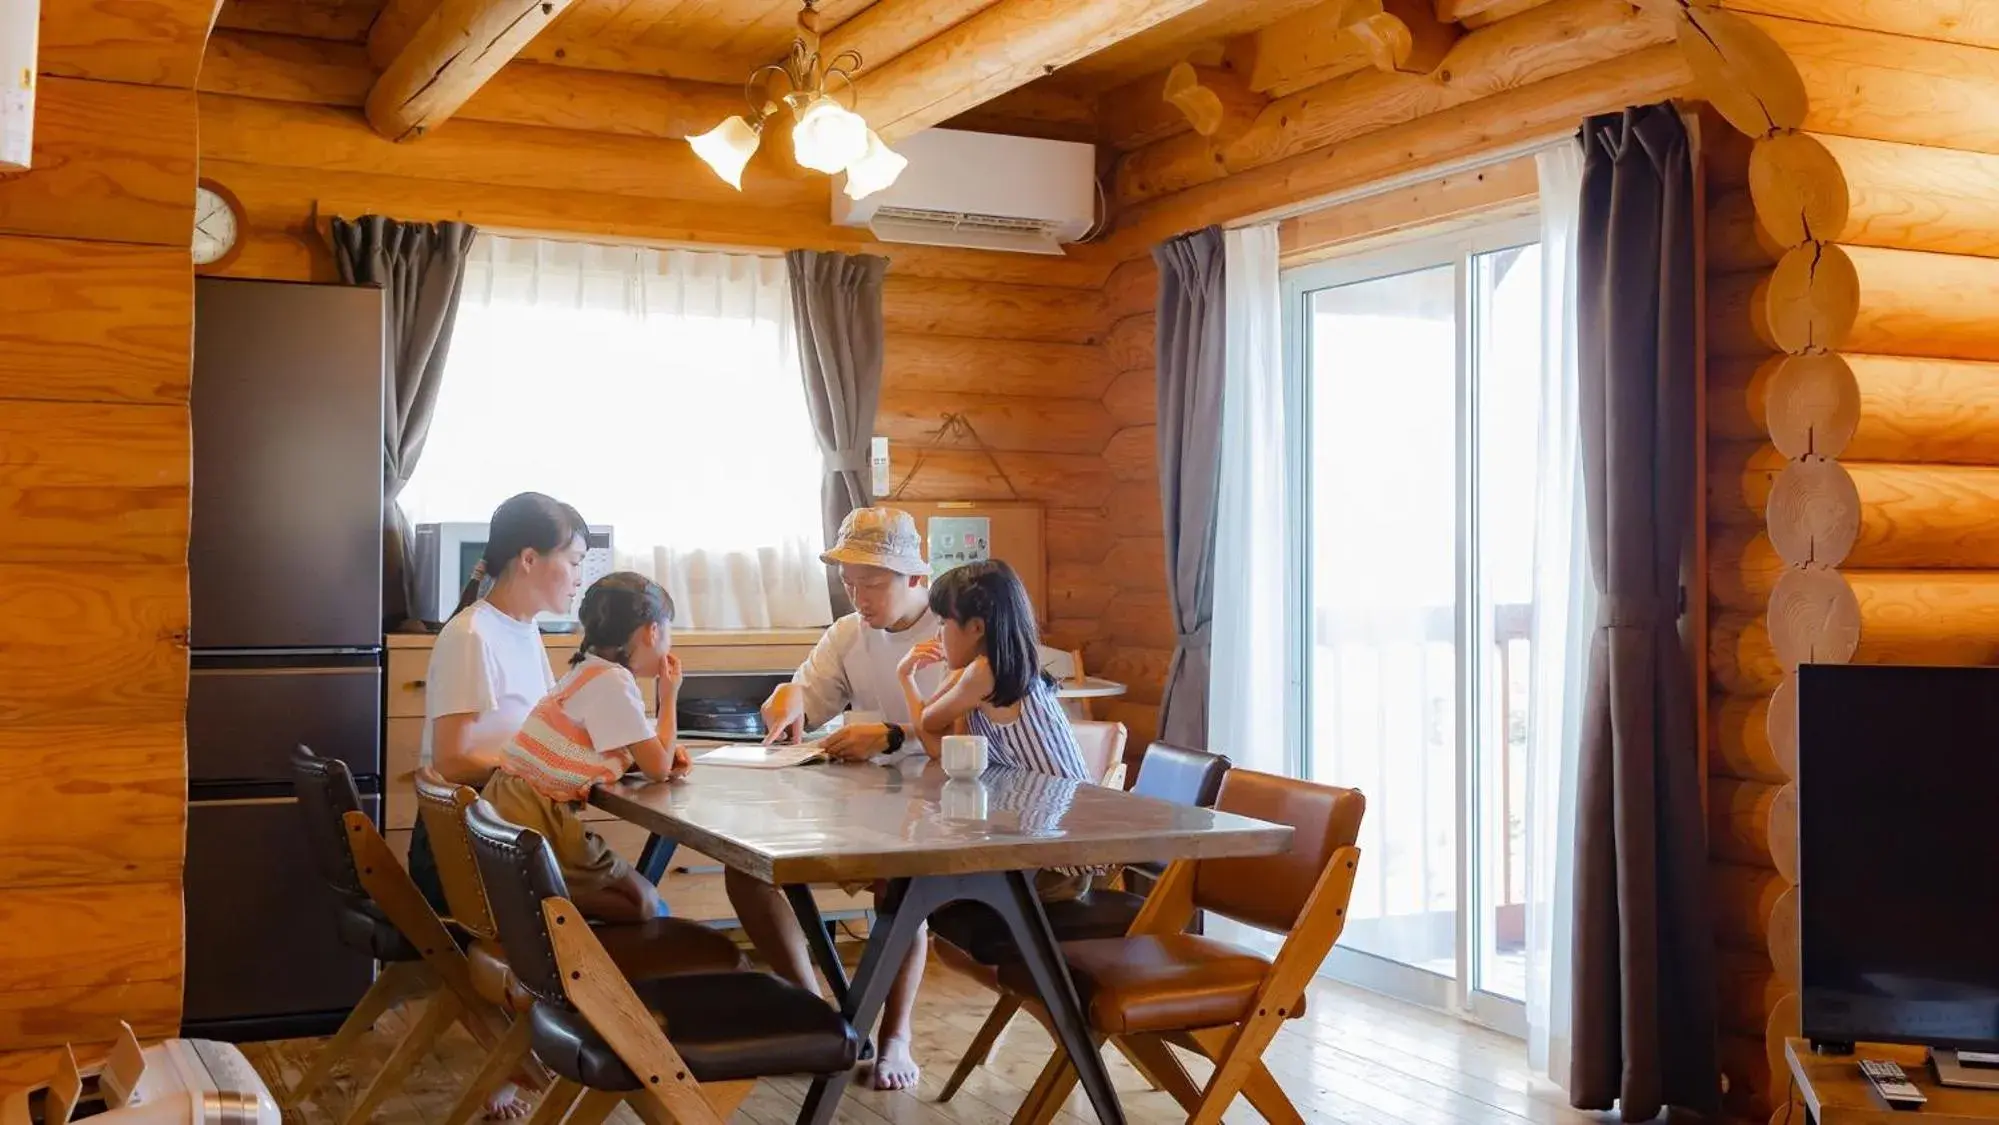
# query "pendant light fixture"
(825, 135)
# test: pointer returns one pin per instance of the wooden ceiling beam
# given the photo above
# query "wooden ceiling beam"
(1002, 48)
(460, 45)
(395, 25)
(889, 29)
(1300, 51)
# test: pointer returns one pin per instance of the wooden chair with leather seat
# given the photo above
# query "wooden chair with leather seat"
(383, 914)
(971, 941)
(681, 1049)
(1159, 987)
(642, 950)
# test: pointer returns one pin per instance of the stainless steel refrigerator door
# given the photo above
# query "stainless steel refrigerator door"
(285, 550)
(262, 950)
(244, 719)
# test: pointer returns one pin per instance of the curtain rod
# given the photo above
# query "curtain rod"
(1423, 175)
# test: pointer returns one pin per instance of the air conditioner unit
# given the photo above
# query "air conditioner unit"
(985, 191)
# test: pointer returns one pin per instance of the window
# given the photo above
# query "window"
(658, 391)
(1418, 372)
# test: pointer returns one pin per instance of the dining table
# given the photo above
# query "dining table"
(932, 840)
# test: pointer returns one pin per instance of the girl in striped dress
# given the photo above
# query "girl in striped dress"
(590, 730)
(996, 688)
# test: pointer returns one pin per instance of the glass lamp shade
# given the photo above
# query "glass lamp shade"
(828, 136)
(876, 169)
(727, 148)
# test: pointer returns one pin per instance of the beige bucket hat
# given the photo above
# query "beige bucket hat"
(883, 537)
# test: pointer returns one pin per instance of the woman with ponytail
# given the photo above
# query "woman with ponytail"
(488, 668)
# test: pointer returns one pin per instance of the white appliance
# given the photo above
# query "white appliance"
(20, 28)
(175, 1082)
(445, 553)
(984, 191)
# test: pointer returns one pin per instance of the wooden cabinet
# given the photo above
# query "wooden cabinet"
(693, 888)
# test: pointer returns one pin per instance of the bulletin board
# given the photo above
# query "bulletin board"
(1017, 533)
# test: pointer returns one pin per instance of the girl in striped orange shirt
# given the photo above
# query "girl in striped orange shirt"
(590, 730)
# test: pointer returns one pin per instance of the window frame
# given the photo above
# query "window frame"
(1455, 243)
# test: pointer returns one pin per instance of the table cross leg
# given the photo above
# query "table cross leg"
(1041, 954)
(819, 939)
(654, 857)
(903, 910)
(898, 916)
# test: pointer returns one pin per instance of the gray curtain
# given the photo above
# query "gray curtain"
(1644, 953)
(421, 269)
(1190, 432)
(836, 300)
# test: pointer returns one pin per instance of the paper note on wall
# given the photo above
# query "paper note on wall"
(957, 540)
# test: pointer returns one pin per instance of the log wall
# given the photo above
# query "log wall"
(97, 289)
(1853, 246)
(1016, 343)
(1535, 72)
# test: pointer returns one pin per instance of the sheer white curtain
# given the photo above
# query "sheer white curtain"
(1249, 688)
(1564, 614)
(1250, 693)
(658, 391)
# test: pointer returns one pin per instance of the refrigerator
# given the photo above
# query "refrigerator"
(285, 578)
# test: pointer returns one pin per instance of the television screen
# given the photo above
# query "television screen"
(1898, 833)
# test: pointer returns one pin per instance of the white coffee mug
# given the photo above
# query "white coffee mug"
(964, 755)
(965, 799)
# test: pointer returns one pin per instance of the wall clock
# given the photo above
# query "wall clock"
(218, 226)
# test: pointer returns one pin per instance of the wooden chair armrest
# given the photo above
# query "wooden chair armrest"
(601, 992)
(1170, 906)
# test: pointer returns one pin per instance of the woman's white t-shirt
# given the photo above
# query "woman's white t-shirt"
(489, 665)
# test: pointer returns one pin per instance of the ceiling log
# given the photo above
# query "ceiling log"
(458, 47)
(1002, 48)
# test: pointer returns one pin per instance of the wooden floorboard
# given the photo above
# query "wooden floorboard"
(1353, 1057)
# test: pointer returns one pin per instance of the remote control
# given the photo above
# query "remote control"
(1893, 1086)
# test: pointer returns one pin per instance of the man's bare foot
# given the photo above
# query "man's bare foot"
(506, 1104)
(896, 1068)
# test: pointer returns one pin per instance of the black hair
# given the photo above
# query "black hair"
(527, 522)
(991, 592)
(616, 606)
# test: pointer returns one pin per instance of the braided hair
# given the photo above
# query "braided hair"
(614, 607)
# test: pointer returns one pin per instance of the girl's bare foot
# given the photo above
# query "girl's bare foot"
(896, 1068)
(506, 1104)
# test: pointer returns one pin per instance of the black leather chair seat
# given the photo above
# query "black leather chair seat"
(363, 927)
(976, 929)
(726, 1026)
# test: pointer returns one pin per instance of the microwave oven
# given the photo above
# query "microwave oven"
(445, 553)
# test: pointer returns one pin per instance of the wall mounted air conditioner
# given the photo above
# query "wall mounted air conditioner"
(985, 191)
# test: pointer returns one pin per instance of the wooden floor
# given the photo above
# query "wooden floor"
(1353, 1057)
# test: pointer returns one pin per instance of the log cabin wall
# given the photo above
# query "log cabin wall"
(1511, 73)
(1853, 431)
(1014, 342)
(96, 309)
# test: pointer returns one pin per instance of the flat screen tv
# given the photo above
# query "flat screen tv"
(1898, 855)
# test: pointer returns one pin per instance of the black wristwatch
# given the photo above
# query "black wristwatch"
(895, 737)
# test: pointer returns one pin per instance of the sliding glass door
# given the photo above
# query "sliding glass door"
(1417, 371)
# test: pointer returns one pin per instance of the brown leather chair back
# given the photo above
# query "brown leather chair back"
(1269, 892)
(326, 793)
(1182, 776)
(442, 806)
(519, 871)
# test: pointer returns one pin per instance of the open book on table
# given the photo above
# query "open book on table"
(757, 756)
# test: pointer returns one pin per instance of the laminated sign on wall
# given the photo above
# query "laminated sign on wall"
(957, 540)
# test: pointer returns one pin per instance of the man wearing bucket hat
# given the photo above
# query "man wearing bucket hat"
(880, 556)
